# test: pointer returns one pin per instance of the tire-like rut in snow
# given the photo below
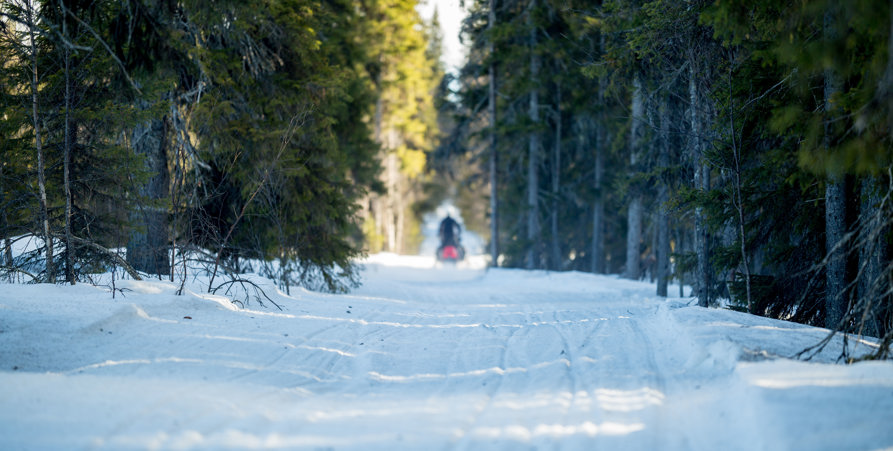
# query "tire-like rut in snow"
(523, 360)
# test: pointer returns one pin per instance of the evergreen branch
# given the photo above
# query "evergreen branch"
(286, 139)
(114, 256)
(107, 48)
(13, 269)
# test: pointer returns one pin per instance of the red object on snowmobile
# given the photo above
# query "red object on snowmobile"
(449, 253)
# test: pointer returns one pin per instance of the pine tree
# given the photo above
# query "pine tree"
(130, 85)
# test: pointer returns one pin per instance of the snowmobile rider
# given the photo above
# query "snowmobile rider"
(449, 231)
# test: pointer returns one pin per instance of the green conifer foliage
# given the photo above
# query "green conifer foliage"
(259, 114)
(287, 181)
(747, 112)
(404, 77)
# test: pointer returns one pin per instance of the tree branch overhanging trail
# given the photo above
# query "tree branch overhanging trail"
(296, 122)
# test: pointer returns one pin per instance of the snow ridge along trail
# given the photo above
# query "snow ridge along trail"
(422, 358)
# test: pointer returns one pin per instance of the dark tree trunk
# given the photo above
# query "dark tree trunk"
(533, 161)
(598, 204)
(634, 214)
(147, 249)
(600, 148)
(835, 209)
(38, 144)
(494, 155)
(69, 247)
(4, 219)
(738, 203)
(663, 197)
(835, 228)
(872, 257)
(701, 182)
(555, 251)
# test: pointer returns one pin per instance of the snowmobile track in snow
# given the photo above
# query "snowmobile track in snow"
(421, 358)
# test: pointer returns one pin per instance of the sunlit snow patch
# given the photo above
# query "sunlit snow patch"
(786, 374)
(524, 434)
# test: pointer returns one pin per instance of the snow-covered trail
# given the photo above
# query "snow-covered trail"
(421, 358)
(521, 361)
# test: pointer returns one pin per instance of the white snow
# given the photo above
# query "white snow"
(423, 357)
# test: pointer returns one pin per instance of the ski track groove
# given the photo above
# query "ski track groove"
(360, 354)
(579, 381)
(424, 363)
(159, 404)
(567, 352)
(518, 324)
(570, 369)
(304, 340)
(465, 441)
(653, 374)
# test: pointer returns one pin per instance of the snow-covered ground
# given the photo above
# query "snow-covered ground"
(423, 357)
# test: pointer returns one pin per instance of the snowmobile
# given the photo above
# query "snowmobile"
(450, 250)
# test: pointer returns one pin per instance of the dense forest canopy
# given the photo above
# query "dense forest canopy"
(740, 148)
(210, 133)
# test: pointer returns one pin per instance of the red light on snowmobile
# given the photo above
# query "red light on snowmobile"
(450, 253)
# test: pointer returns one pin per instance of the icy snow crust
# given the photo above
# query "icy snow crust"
(423, 357)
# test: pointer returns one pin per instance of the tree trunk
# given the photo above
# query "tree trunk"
(835, 228)
(69, 248)
(391, 176)
(871, 257)
(7, 252)
(873, 281)
(147, 249)
(835, 208)
(598, 204)
(600, 148)
(4, 219)
(533, 225)
(378, 202)
(663, 197)
(634, 214)
(742, 236)
(38, 143)
(491, 112)
(399, 220)
(885, 84)
(555, 251)
(701, 182)
(738, 202)
(681, 247)
(633, 269)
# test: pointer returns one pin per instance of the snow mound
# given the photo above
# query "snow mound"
(122, 318)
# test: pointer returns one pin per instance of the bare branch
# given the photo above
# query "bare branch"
(110, 253)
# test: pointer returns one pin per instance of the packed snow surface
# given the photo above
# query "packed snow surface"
(422, 357)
